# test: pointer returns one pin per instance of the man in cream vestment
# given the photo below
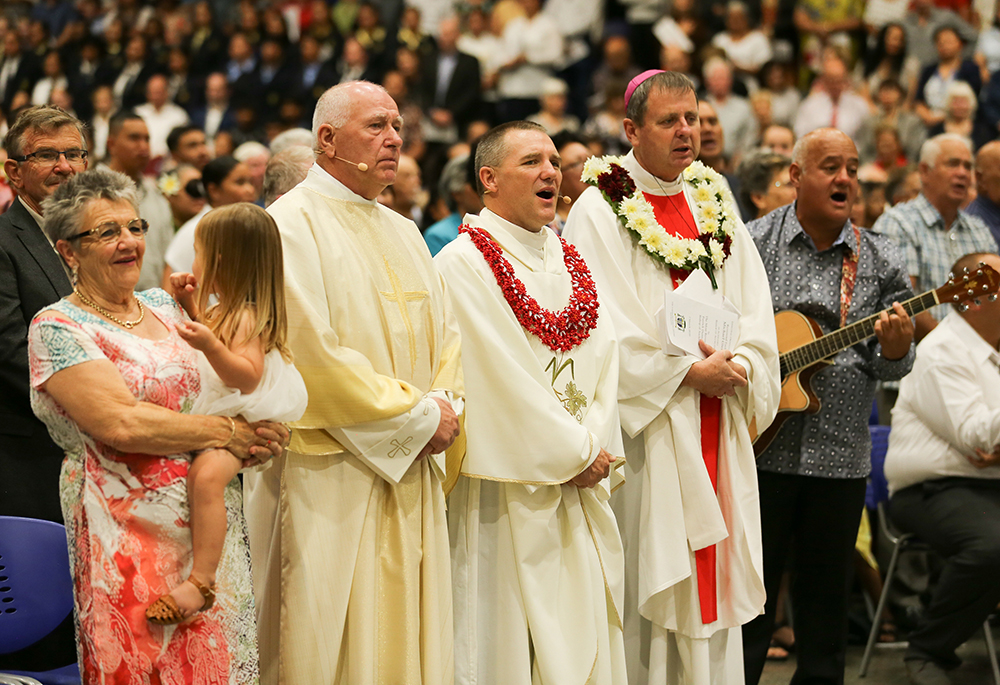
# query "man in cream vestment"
(348, 532)
(538, 565)
(681, 623)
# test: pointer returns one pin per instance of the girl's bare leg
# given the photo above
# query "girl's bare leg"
(208, 477)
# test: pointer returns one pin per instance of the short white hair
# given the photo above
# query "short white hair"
(334, 106)
(292, 137)
(714, 63)
(931, 149)
(251, 149)
(960, 89)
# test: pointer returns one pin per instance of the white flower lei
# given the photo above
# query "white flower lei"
(713, 209)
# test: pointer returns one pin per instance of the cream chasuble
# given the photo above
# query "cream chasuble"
(668, 508)
(351, 571)
(537, 564)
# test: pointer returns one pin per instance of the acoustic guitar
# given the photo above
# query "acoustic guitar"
(803, 349)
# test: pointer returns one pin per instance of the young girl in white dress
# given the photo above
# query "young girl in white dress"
(245, 367)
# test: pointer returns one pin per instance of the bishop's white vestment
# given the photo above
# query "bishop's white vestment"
(669, 508)
(537, 562)
(351, 570)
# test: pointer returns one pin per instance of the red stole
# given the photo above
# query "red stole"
(674, 215)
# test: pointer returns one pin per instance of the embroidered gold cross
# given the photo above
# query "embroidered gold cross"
(401, 297)
(400, 447)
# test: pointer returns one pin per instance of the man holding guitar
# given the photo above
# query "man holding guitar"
(812, 476)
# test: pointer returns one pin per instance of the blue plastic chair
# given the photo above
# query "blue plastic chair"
(36, 591)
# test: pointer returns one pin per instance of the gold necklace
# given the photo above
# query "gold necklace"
(127, 324)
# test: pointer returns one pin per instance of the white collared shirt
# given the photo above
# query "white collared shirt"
(948, 406)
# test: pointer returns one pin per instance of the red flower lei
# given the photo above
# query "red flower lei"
(559, 331)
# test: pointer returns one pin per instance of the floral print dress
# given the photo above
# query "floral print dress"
(127, 515)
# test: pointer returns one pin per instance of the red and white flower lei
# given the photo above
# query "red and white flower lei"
(713, 210)
(559, 331)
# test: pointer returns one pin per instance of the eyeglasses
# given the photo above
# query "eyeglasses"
(50, 157)
(109, 231)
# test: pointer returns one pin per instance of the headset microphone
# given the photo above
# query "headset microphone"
(360, 165)
(567, 199)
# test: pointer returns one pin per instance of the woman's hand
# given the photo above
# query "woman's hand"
(259, 442)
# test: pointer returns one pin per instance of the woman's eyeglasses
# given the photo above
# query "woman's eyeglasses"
(109, 231)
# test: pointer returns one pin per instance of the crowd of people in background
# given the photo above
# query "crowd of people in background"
(210, 104)
(233, 77)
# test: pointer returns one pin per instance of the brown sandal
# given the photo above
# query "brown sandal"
(165, 612)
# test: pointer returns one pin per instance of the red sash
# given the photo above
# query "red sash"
(674, 215)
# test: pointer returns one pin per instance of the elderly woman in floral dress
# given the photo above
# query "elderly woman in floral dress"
(114, 382)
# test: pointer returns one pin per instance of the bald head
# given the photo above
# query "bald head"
(988, 171)
(824, 171)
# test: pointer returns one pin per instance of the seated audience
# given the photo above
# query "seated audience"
(943, 470)
(733, 111)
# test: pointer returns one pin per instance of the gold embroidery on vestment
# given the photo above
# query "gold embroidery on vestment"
(401, 297)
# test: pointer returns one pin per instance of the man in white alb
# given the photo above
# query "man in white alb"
(348, 533)
(689, 512)
(538, 565)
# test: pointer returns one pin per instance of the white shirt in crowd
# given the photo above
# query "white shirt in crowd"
(948, 406)
(538, 39)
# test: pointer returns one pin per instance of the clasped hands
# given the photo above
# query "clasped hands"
(717, 375)
(446, 433)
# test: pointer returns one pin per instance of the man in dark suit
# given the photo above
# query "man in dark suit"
(31, 278)
(19, 70)
(451, 94)
(270, 82)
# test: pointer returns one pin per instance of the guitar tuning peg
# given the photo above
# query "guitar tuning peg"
(986, 286)
(976, 302)
(954, 298)
(971, 292)
(965, 270)
(963, 307)
(992, 298)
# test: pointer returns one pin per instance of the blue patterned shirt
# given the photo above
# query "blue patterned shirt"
(931, 250)
(833, 443)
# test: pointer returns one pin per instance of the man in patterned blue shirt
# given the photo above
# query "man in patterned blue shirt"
(932, 230)
(812, 477)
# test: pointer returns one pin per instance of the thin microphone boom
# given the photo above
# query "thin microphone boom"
(360, 165)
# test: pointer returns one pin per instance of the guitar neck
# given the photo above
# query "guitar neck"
(830, 344)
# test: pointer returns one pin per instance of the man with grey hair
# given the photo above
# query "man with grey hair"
(285, 170)
(812, 473)
(348, 534)
(45, 147)
(687, 511)
(932, 230)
